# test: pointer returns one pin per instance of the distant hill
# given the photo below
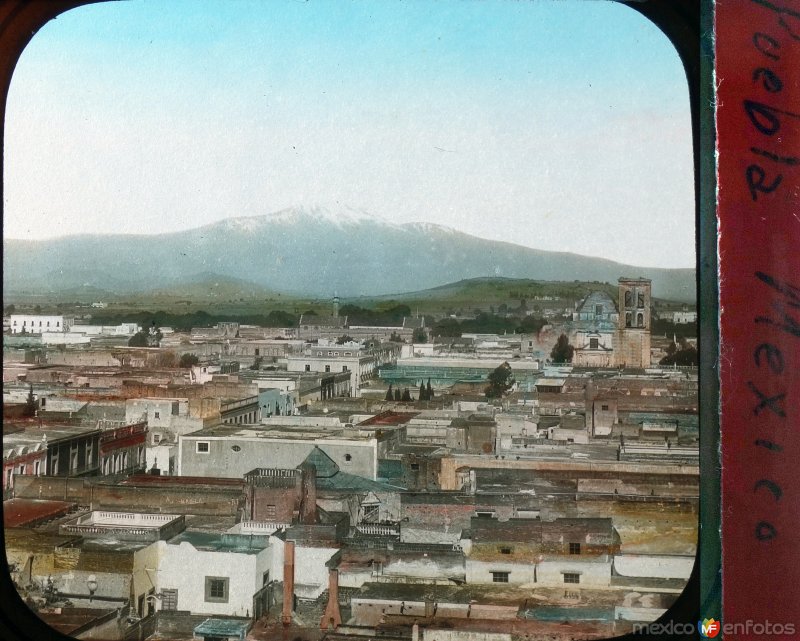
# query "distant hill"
(307, 252)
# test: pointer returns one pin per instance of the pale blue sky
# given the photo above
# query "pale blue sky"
(565, 124)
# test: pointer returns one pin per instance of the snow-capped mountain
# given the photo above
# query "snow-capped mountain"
(313, 251)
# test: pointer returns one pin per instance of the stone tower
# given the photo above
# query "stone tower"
(632, 347)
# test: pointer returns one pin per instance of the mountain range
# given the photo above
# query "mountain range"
(305, 251)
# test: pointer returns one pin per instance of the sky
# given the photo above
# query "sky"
(560, 125)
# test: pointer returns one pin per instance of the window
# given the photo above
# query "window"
(574, 548)
(628, 298)
(36, 467)
(640, 320)
(169, 600)
(415, 467)
(271, 512)
(594, 343)
(506, 550)
(344, 368)
(258, 352)
(216, 589)
(348, 457)
(265, 578)
(202, 447)
(156, 438)
(598, 310)
(327, 368)
(500, 577)
(640, 300)
(604, 408)
(308, 367)
(628, 322)
(572, 577)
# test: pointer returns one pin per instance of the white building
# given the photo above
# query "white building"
(228, 572)
(38, 323)
(327, 356)
(684, 317)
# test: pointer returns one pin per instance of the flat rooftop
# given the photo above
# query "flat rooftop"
(278, 432)
(222, 542)
(22, 512)
(32, 434)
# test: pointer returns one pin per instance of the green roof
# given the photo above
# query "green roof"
(222, 628)
(326, 467)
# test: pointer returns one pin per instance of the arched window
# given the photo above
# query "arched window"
(628, 298)
(628, 319)
(640, 320)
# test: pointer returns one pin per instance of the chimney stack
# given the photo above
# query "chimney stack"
(332, 617)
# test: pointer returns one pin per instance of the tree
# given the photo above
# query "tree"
(344, 339)
(396, 338)
(420, 336)
(562, 351)
(257, 363)
(30, 404)
(397, 394)
(406, 395)
(423, 395)
(389, 396)
(429, 391)
(139, 339)
(500, 380)
(448, 327)
(10, 309)
(188, 360)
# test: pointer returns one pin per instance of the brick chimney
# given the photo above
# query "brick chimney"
(288, 583)
(332, 617)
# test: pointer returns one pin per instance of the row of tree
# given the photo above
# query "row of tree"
(484, 323)
(425, 393)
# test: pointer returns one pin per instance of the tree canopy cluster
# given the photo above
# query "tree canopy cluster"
(487, 323)
(184, 322)
(394, 394)
(684, 354)
(389, 316)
